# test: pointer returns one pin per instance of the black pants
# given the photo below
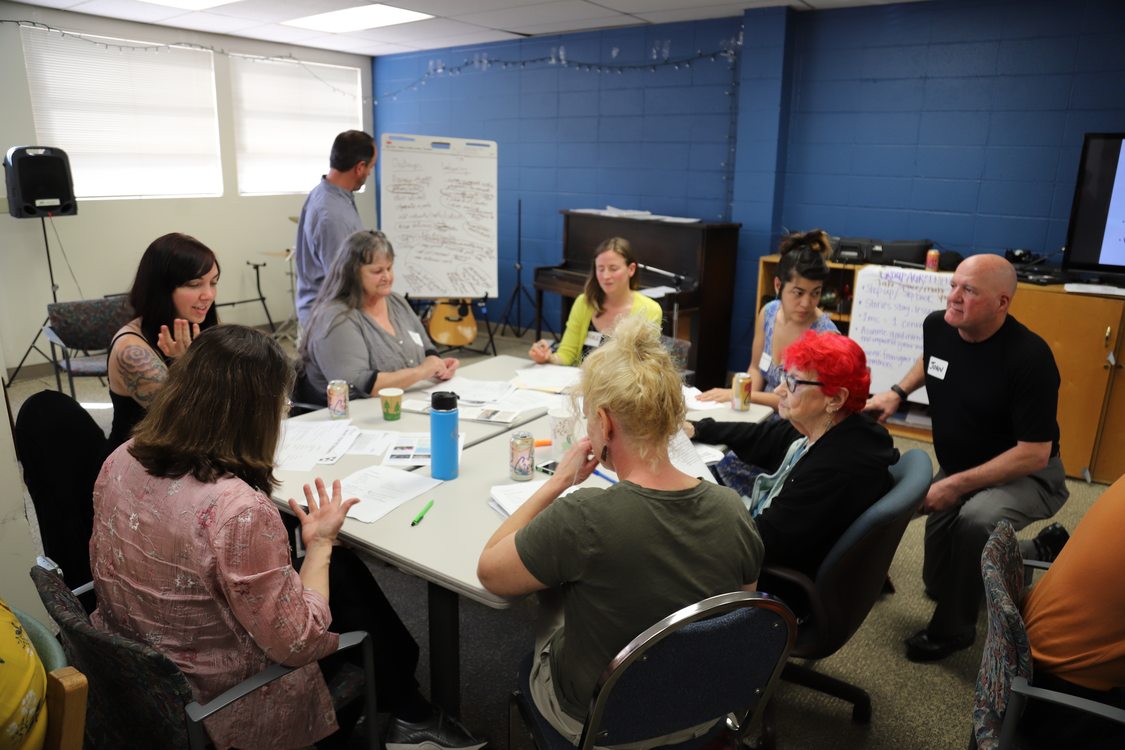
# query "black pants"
(357, 603)
(61, 449)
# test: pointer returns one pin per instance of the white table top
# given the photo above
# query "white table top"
(444, 547)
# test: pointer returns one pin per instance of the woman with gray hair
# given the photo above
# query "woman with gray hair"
(362, 332)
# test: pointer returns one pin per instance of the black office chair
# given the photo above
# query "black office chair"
(715, 660)
(850, 581)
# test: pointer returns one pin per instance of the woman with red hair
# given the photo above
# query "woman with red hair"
(825, 461)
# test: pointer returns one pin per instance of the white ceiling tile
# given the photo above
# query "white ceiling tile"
(559, 11)
(559, 27)
(481, 37)
(203, 21)
(458, 22)
(65, 4)
(454, 8)
(710, 11)
(352, 44)
(417, 30)
(129, 10)
(275, 32)
(649, 6)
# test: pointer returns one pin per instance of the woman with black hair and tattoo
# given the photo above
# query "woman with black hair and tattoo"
(173, 297)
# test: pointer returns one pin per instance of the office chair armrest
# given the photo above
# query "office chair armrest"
(1037, 564)
(197, 712)
(802, 583)
(1021, 686)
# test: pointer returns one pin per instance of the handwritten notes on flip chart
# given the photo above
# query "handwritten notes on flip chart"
(887, 313)
(439, 210)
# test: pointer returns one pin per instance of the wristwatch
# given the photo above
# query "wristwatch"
(901, 393)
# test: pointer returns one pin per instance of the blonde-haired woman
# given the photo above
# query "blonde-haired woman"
(626, 556)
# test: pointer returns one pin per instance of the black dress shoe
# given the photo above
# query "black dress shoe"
(1050, 541)
(922, 647)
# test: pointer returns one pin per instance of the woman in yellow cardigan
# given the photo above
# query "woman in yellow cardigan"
(610, 295)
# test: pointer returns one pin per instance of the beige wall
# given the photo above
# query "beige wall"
(105, 240)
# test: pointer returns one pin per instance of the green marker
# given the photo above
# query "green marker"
(422, 513)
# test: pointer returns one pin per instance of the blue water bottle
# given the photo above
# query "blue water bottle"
(443, 435)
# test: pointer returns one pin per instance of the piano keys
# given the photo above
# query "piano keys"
(698, 259)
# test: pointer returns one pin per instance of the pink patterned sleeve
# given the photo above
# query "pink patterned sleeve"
(263, 590)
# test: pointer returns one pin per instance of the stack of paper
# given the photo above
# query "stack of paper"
(381, 489)
(507, 498)
(691, 400)
(549, 378)
(305, 443)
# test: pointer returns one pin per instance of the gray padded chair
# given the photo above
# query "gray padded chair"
(140, 699)
(1003, 687)
(851, 579)
(719, 659)
(85, 326)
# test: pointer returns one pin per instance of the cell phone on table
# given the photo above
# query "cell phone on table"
(548, 467)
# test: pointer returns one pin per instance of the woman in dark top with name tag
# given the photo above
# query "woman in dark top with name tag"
(825, 461)
(173, 296)
(610, 295)
(362, 332)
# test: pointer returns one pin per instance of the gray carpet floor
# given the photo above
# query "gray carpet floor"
(922, 707)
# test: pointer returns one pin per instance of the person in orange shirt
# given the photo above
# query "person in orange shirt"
(1077, 632)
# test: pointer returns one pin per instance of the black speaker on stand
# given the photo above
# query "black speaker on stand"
(39, 186)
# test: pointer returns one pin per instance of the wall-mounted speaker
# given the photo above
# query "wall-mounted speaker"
(38, 182)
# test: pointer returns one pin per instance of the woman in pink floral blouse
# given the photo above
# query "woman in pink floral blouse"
(189, 555)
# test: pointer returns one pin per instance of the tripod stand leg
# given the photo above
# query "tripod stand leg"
(30, 347)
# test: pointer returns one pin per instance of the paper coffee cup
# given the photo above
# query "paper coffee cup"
(392, 403)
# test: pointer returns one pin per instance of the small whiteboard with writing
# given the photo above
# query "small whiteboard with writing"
(439, 210)
(887, 313)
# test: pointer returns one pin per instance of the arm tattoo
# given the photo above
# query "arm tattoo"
(143, 372)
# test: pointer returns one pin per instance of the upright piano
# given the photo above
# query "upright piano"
(696, 258)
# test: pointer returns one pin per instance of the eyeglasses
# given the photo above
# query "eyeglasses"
(792, 381)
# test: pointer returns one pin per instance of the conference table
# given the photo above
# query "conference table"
(444, 548)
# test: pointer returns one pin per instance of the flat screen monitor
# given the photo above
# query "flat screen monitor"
(1095, 239)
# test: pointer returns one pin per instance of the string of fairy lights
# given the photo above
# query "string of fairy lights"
(659, 57)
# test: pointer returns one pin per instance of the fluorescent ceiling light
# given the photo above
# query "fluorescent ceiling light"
(357, 19)
(190, 4)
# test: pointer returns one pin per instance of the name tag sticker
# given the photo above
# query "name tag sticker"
(765, 362)
(415, 337)
(593, 339)
(937, 368)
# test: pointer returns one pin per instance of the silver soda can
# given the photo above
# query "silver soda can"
(338, 399)
(522, 463)
(740, 392)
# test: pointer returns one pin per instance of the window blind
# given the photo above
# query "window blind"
(286, 115)
(134, 123)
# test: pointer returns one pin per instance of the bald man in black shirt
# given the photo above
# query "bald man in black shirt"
(993, 390)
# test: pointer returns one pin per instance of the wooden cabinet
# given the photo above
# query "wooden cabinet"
(1085, 333)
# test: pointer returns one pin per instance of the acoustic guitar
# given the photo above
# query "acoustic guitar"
(452, 322)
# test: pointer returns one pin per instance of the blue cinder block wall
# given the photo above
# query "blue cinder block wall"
(579, 135)
(954, 120)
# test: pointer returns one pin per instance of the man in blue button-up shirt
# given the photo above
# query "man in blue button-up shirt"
(329, 215)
